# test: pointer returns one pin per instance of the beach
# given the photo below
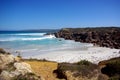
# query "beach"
(89, 52)
(92, 54)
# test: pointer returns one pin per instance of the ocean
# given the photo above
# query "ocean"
(31, 43)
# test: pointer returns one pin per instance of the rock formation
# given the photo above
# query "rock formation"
(111, 68)
(103, 36)
(82, 70)
(12, 69)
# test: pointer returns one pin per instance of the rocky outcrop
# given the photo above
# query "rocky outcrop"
(111, 68)
(16, 69)
(103, 36)
(6, 58)
(82, 70)
(22, 68)
(13, 69)
(5, 75)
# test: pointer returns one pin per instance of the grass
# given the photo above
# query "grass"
(43, 68)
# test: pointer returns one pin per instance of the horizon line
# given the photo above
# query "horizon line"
(61, 28)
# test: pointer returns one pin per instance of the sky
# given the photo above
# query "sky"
(56, 14)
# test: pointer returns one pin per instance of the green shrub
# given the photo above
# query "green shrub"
(83, 62)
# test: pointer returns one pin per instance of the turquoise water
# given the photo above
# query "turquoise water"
(32, 43)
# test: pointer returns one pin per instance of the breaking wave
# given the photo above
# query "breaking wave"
(27, 39)
(26, 34)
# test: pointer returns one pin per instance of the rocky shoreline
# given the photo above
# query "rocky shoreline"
(101, 36)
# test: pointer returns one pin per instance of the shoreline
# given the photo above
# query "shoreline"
(93, 54)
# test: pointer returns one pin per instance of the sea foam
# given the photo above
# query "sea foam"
(27, 38)
(25, 34)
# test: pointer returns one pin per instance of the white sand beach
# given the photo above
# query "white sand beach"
(92, 54)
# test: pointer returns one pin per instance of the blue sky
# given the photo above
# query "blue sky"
(53, 14)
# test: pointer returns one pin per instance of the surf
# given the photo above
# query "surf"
(25, 34)
(28, 38)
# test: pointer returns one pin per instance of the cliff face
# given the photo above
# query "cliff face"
(103, 36)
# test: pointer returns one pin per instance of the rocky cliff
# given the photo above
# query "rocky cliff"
(102, 36)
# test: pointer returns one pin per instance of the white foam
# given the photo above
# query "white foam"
(28, 39)
(26, 34)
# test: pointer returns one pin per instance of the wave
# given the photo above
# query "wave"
(28, 39)
(26, 34)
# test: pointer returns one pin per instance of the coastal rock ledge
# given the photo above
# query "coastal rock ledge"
(102, 36)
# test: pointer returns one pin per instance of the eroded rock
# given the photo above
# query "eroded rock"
(22, 68)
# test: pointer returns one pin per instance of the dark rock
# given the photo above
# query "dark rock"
(83, 70)
(2, 51)
(102, 36)
(111, 68)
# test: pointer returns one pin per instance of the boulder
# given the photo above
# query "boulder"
(2, 51)
(22, 68)
(6, 59)
(5, 75)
